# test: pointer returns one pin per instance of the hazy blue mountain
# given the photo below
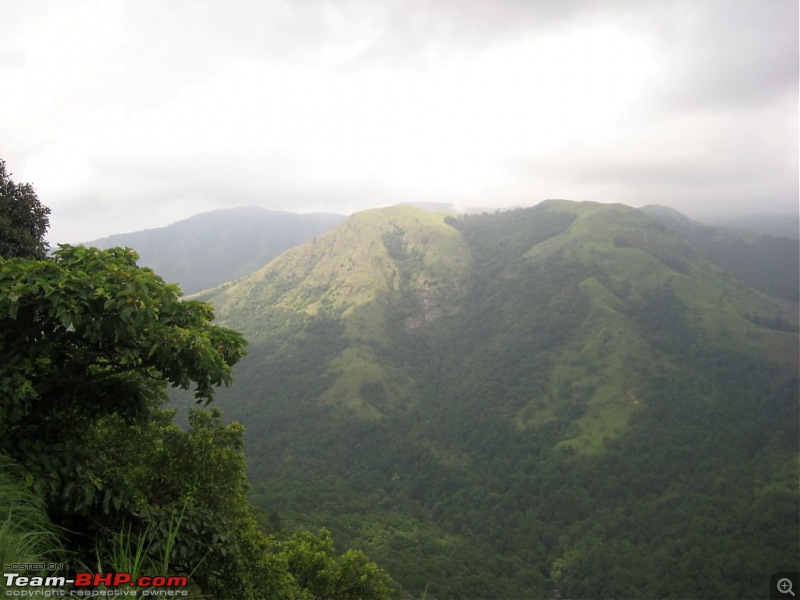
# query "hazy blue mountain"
(213, 247)
(787, 225)
(571, 400)
(766, 262)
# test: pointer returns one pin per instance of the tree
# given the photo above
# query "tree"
(85, 335)
(92, 317)
(23, 219)
(318, 573)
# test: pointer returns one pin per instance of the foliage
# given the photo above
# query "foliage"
(318, 573)
(133, 553)
(90, 315)
(193, 518)
(89, 334)
(23, 219)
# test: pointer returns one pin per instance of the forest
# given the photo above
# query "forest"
(567, 430)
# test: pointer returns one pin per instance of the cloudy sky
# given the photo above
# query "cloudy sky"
(129, 114)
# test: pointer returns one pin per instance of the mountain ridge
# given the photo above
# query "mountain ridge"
(388, 268)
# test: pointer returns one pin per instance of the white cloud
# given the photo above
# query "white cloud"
(126, 114)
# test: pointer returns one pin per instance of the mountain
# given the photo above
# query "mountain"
(213, 247)
(570, 400)
(766, 262)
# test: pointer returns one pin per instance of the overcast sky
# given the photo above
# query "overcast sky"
(129, 114)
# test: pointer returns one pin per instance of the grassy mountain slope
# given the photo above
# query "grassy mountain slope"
(401, 259)
(210, 248)
(506, 405)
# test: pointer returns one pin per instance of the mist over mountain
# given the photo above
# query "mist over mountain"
(787, 225)
(574, 399)
(766, 262)
(210, 248)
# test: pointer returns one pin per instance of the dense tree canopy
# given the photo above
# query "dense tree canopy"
(88, 333)
(23, 219)
(89, 316)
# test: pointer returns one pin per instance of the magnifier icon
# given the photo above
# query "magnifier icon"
(785, 586)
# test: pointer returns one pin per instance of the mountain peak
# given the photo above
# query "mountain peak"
(372, 256)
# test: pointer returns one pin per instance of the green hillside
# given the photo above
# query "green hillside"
(571, 398)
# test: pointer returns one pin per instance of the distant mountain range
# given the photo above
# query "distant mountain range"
(210, 248)
(570, 400)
